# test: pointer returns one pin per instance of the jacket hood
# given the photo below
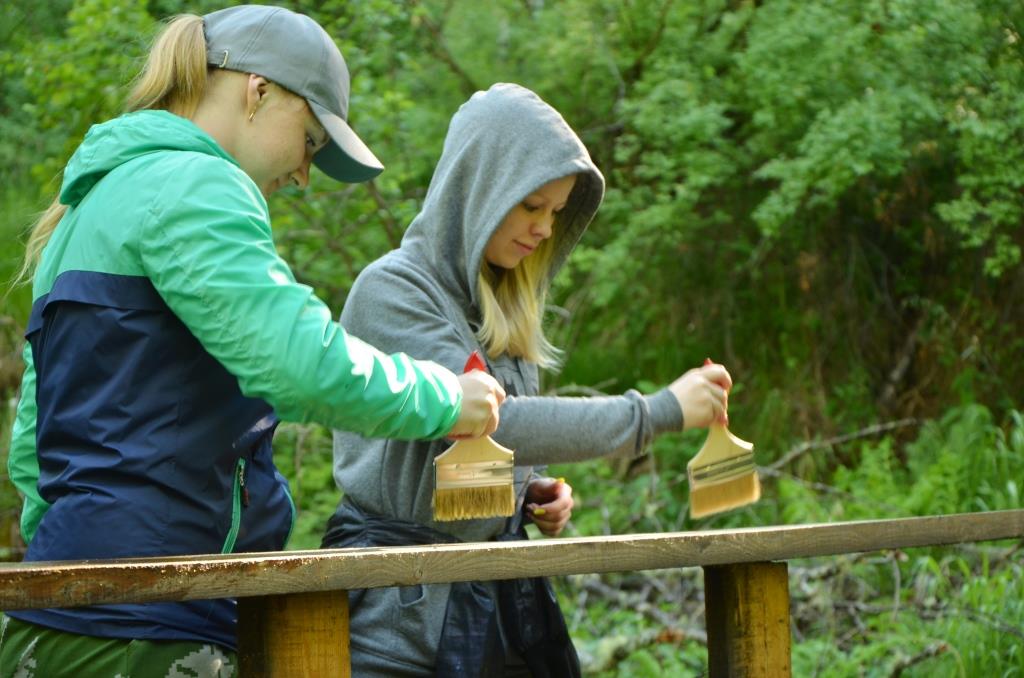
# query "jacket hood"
(115, 142)
(502, 145)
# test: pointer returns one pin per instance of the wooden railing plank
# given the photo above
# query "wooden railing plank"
(55, 584)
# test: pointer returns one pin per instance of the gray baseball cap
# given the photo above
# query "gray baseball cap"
(293, 51)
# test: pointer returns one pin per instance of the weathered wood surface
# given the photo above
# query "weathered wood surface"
(301, 634)
(747, 612)
(61, 584)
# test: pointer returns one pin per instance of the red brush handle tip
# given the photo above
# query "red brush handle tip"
(475, 362)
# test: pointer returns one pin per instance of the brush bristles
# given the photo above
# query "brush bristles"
(717, 497)
(474, 502)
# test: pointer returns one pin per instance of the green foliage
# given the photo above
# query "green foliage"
(791, 192)
(990, 128)
(961, 463)
(76, 79)
(925, 612)
(303, 454)
(952, 624)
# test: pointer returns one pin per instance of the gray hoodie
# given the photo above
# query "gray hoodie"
(421, 299)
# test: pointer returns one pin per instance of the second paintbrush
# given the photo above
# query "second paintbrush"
(474, 477)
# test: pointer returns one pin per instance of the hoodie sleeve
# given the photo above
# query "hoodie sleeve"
(22, 463)
(395, 312)
(208, 250)
(551, 429)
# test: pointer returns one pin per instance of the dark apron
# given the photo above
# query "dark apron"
(470, 641)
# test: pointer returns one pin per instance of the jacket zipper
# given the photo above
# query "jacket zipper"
(239, 497)
(295, 513)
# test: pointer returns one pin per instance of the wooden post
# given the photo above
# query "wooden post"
(299, 634)
(747, 612)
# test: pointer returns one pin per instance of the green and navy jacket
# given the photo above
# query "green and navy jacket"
(166, 338)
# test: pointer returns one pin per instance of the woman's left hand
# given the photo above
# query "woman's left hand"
(549, 504)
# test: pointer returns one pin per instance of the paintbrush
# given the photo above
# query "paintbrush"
(722, 475)
(473, 478)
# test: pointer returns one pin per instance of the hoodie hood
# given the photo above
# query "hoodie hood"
(502, 145)
(115, 142)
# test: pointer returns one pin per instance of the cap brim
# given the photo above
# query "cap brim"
(345, 157)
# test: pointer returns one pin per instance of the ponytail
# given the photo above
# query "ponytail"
(173, 79)
(37, 239)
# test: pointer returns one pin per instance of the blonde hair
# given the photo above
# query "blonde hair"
(512, 308)
(173, 79)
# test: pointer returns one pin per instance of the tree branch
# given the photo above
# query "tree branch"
(391, 226)
(838, 440)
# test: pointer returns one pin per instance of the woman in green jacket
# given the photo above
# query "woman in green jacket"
(166, 338)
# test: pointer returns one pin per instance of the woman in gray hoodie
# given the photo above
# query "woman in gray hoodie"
(512, 193)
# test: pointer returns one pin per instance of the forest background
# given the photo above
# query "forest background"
(826, 196)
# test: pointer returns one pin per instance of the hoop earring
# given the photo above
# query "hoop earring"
(252, 115)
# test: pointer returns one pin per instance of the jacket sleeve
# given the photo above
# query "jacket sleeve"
(207, 247)
(397, 310)
(554, 429)
(22, 463)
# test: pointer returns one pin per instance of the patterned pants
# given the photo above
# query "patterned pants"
(30, 651)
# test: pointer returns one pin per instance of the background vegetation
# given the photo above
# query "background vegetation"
(825, 196)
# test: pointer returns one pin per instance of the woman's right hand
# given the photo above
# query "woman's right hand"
(482, 395)
(703, 395)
